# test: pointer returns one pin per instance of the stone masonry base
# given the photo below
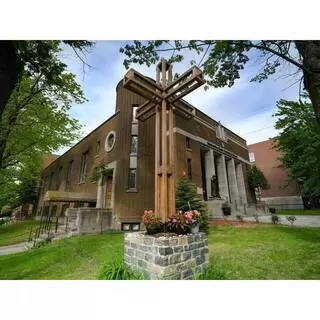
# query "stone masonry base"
(171, 258)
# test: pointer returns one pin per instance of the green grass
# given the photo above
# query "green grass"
(265, 252)
(262, 252)
(16, 232)
(298, 212)
(72, 258)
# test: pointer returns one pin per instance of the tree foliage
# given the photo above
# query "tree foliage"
(299, 144)
(256, 179)
(223, 60)
(40, 62)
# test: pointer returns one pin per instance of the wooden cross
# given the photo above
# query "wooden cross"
(164, 98)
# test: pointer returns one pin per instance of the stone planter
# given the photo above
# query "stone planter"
(195, 229)
(166, 257)
(226, 211)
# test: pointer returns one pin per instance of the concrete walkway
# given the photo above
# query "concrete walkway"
(302, 221)
(12, 249)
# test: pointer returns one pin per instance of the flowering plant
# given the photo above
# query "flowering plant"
(179, 223)
(150, 220)
(193, 217)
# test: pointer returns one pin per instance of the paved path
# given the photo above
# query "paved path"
(302, 221)
(12, 249)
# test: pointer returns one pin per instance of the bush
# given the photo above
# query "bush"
(272, 210)
(291, 219)
(118, 271)
(275, 219)
(239, 217)
(188, 199)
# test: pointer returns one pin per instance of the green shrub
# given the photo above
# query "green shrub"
(118, 271)
(275, 219)
(291, 219)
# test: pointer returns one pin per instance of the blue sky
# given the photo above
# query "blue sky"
(246, 108)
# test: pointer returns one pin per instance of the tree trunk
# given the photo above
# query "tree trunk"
(310, 52)
(10, 70)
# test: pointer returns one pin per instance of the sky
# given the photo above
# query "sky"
(246, 108)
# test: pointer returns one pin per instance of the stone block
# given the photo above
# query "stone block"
(126, 243)
(139, 254)
(161, 241)
(165, 251)
(148, 240)
(187, 274)
(200, 244)
(177, 249)
(174, 259)
(190, 239)
(200, 259)
(149, 257)
(195, 253)
(142, 247)
(142, 264)
(129, 251)
(173, 241)
(161, 261)
(134, 245)
(182, 241)
(186, 256)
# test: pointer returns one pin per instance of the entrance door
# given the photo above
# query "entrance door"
(108, 197)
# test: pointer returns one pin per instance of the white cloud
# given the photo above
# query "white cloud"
(246, 108)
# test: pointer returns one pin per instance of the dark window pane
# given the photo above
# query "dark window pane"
(132, 178)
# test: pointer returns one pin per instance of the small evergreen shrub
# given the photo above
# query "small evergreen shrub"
(187, 199)
(275, 219)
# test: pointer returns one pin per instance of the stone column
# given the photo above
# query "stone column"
(233, 185)
(210, 171)
(222, 177)
(241, 185)
(101, 192)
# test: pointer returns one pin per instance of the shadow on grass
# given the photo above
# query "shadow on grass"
(306, 234)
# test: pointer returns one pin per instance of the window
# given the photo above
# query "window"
(84, 167)
(134, 112)
(69, 173)
(189, 169)
(251, 157)
(134, 144)
(130, 226)
(110, 141)
(51, 180)
(98, 147)
(188, 144)
(220, 132)
(132, 179)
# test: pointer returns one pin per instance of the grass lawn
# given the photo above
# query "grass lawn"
(260, 252)
(16, 232)
(299, 212)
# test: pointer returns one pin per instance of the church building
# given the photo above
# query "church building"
(214, 158)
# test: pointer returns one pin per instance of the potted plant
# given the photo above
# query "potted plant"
(152, 223)
(194, 218)
(226, 209)
(179, 223)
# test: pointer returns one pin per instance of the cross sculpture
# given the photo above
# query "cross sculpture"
(164, 98)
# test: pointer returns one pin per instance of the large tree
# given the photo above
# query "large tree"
(222, 60)
(299, 144)
(40, 61)
(34, 122)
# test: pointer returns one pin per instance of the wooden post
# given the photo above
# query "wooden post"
(162, 97)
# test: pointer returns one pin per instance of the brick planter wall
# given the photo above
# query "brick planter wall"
(175, 257)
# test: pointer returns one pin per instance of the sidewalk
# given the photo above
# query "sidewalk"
(302, 221)
(20, 247)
